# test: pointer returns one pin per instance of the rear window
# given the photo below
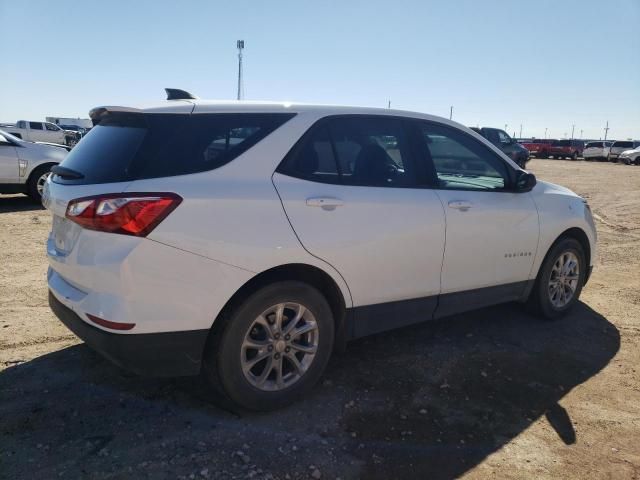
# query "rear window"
(622, 144)
(594, 145)
(125, 147)
(562, 143)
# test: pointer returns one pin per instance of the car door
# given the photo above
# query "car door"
(492, 231)
(9, 166)
(350, 191)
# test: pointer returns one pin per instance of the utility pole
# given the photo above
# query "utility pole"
(451, 113)
(545, 133)
(606, 130)
(573, 127)
(505, 127)
(520, 131)
(389, 104)
(240, 45)
(581, 133)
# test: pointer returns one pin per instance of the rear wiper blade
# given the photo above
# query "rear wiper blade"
(65, 172)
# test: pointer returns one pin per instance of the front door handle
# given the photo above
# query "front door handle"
(461, 205)
(326, 203)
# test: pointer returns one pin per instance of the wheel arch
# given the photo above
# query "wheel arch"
(300, 272)
(39, 167)
(577, 234)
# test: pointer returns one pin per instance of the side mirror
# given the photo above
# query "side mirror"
(525, 181)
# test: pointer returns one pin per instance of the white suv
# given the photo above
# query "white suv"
(247, 241)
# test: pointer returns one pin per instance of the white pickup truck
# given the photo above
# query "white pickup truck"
(45, 132)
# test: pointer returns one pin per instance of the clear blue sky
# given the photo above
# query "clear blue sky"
(540, 63)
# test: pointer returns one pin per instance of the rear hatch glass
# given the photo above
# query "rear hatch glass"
(125, 147)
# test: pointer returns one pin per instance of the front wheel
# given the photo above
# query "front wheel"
(560, 279)
(273, 348)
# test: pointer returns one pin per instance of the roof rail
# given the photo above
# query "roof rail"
(177, 94)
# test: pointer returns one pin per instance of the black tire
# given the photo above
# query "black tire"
(222, 366)
(539, 301)
(32, 183)
(574, 156)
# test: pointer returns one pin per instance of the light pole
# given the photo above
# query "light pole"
(240, 45)
(505, 127)
(573, 127)
(581, 133)
(606, 130)
(451, 112)
(545, 133)
(520, 131)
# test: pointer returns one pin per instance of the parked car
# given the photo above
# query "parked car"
(74, 135)
(567, 149)
(504, 142)
(620, 146)
(250, 240)
(630, 157)
(41, 132)
(596, 150)
(24, 166)
(537, 146)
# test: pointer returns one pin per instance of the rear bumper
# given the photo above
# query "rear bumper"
(149, 354)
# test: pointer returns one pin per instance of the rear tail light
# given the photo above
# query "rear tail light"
(127, 213)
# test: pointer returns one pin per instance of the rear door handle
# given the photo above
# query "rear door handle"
(461, 205)
(326, 203)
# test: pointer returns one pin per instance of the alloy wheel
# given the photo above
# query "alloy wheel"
(41, 181)
(563, 280)
(279, 346)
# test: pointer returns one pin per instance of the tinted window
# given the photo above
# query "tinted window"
(504, 138)
(594, 145)
(356, 150)
(51, 127)
(622, 145)
(129, 147)
(371, 151)
(313, 158)
(460, 161)
(35, 126)
(492, 135)
(562, 143)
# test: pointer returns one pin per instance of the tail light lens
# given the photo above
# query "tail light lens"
(128, 213)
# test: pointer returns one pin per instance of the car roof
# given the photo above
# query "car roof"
(243, 106)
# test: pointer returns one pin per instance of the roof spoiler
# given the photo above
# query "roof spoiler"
(96, 114)
(177, 94)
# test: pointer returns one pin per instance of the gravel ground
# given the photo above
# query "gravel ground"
(493, 393)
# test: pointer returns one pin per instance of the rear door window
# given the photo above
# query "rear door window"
(353, 150)
(125, 147)
(35, 126)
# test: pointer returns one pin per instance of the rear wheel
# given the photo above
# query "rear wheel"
(273, 348)
(35, 185)
(574, 156)
(560, 279)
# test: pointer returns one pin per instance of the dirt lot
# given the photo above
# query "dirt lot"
(495, 393)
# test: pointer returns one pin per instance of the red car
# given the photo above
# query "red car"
(537, 146)
(567, 148)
